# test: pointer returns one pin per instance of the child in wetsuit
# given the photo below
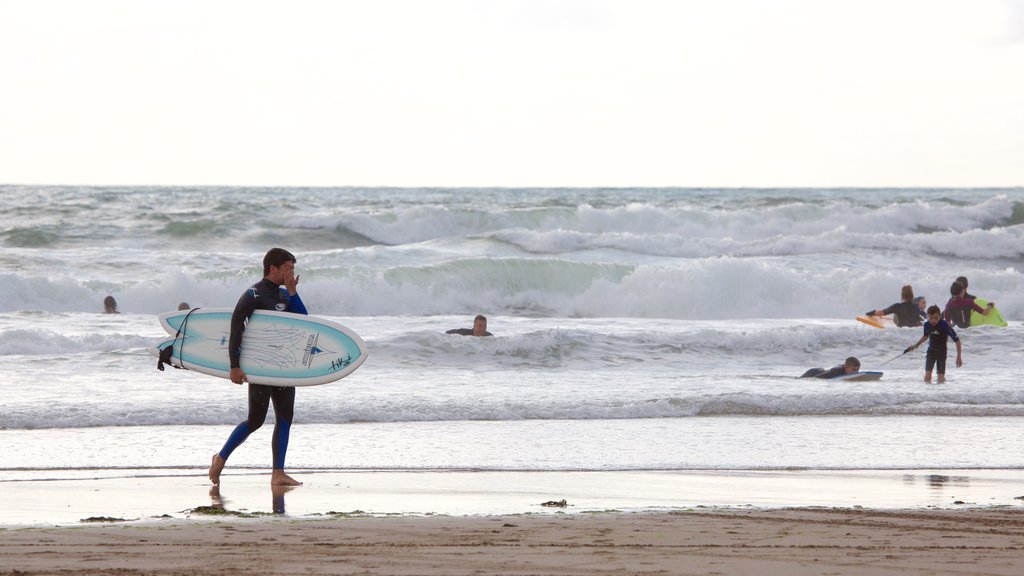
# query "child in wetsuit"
(938, 332)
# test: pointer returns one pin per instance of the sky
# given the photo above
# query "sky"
(573, 93)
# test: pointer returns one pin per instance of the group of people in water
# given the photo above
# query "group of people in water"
(938, 329)
(911, 311)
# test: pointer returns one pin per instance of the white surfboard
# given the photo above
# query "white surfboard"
(278, 348)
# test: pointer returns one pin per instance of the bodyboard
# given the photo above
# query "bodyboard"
(877, 321)
(994, 318)
(859, 377)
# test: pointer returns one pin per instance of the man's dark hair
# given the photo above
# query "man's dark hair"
(956, 289)
(276, 257)
(480, 317)
(933, 309)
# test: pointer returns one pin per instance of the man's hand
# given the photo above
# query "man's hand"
(959, 361)
(291, 284)
(238, 376)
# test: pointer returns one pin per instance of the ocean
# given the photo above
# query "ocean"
(634, 329)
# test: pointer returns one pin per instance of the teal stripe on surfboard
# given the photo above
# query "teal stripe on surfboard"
(278, 348)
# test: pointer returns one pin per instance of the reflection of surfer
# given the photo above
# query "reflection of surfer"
(850, 366)
(479, 328)
(267, 294)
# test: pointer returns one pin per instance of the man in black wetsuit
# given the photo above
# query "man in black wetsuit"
(267, 294)
(479, 328)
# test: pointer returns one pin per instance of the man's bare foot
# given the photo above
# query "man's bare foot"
(942, 379)
(279, 478)
(216, 466)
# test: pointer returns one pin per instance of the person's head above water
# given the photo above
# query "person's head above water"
(851, 365)
(907, 293)
(479, 325)
(110, 305)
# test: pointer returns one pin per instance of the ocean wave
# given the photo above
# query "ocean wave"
(646, 253)
(177, 218)
(719, 288)
(83, 414)
(48, 342)
(991, 244)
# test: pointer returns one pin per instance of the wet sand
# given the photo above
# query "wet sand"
(737, 542)
(451, 522)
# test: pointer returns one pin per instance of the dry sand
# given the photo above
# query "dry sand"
(702, 541)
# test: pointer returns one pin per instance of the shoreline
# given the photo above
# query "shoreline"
(792, 541)
(36, 498)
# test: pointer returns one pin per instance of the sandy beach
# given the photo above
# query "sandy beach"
(783, 541)
(881, 522)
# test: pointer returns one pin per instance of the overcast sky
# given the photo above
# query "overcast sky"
(757, 93)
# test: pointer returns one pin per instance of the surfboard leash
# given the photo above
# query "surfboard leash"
(891, 359)
(168, 352)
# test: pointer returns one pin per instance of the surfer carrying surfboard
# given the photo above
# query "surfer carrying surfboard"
(267, 294)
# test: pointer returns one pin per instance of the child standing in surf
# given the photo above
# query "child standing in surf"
(938, 332)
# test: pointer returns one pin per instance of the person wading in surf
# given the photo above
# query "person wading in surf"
(267, 294)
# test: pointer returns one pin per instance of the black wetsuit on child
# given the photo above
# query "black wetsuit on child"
(938, 336)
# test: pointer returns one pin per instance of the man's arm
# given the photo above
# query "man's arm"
(243, 311)
(979, 309)
(919, 342)
(295, 304)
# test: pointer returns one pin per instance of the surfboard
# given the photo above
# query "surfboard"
(278, 348)
(877, 321)
(859, 376)
(994, 318)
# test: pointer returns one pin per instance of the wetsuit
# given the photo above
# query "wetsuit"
(833, 372)
(465, 332)
(938, 336)
(263, 295)
(905, 313)
(958, 311)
